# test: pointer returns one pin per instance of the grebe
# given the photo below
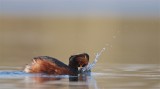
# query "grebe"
(50, 65)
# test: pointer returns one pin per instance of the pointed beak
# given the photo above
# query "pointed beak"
(80, 67)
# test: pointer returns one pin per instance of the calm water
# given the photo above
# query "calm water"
(110, 76)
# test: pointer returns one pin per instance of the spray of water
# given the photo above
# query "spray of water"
(90, 66)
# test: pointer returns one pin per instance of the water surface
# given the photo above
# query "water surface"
(117, 76)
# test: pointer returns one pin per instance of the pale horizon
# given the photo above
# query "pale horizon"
(122, 8)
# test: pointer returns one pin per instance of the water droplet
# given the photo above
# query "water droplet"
(114, 37)
(90, 66)
(107, 44)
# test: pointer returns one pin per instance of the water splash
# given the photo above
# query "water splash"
(90, 66)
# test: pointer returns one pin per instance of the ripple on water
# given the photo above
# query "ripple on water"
(123, 76)
(148, 71)
(12, 74)
(15, 74)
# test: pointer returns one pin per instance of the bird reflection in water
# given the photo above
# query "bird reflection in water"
(42, 78)
(70, 82)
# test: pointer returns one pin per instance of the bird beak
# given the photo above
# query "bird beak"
(80, 67)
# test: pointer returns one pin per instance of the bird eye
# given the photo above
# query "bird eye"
(84, 65)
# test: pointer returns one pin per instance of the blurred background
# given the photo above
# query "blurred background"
(128, 29)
